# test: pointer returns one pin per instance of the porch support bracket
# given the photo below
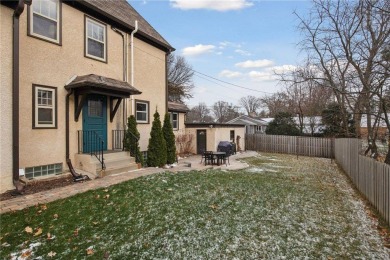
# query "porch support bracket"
(113, 109)
(79, 106)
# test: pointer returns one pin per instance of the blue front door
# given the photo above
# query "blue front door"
(94, 120)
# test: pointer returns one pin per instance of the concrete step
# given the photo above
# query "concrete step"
(115, 170)
(116, 155)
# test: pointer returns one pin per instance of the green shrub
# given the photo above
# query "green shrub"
(169, 137)
(130, 143)
(157, 149)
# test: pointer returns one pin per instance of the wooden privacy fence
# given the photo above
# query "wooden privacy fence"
(370, 177)
(299, 145)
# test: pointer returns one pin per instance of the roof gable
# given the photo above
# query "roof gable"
(122, 12)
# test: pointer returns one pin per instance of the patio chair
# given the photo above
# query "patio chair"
(208, 157)
(203, 155)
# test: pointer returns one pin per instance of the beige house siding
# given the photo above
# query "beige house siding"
(54, 65)
(150, 79)
(5, 99)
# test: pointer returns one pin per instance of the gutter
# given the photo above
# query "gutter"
(132, 65)
(70, 92)
(15, 96)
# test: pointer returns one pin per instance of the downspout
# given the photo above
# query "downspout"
(15, 96)
(132, 65)
(70, 92)
(124, 42)
(166, 81)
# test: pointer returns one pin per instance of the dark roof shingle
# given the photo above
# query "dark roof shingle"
(178, 107)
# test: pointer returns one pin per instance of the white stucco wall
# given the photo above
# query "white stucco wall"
(216, 134)
(5, 99)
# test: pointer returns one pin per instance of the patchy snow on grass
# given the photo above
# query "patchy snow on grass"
(279, 208)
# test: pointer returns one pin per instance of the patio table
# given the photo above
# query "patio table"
(219, 156)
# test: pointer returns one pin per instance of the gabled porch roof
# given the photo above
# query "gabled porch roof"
(95, 84)
(88, 84)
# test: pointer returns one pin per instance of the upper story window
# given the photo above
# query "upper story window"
(175, 120)
(95, 40)
(44, 107)
(142, 111)
(44, 20)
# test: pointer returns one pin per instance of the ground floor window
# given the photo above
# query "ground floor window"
(175, 120)
(142, 111)
(43, 170)
(44, 107)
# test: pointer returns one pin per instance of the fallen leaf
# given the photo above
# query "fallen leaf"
(105, 190)
(169, 189)
(95, 223)
(48, 236)
(55, 216)
(5, 244)
(51, 254)
(90, 251)
(106, 196)
(26, 254)
(76, 232)
(44, 207)
(213, 206)
(38, 232)
(106, 255)
(97, 196)
(28, 229)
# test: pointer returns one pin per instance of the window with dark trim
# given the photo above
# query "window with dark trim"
(95, 39)
(175, 120)
(45, 20)
(44, 107)
(142, 111)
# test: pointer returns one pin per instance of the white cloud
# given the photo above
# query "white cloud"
(230, 74)
(281, 69)
(242, 52)
(197, 50)
(255, 64)
(217, 5)
(261, 75)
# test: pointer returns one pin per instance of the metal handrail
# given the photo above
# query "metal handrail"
(118, 140)
(92, 143)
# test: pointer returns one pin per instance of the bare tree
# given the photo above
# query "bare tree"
(345, 42)
(180, 82)
(251, 104)
(199, 114)
(224, 111)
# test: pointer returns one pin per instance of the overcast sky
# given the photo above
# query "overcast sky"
(236, 41)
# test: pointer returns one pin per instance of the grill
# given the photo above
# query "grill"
(227, 147)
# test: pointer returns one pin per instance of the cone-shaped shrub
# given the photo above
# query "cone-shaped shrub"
(130, 143)
(169, 137)
(157, 149)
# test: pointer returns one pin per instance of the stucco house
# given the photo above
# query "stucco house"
(71, 74)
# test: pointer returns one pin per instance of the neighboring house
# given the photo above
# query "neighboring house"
(70, 69)
(206, 136)
(178, 112)
(252, 125)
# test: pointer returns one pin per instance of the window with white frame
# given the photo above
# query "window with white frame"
(95, 39)
(44, 20)
(175, 120)
(142, 111)
(45, 104)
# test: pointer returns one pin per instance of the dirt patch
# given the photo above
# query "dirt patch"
(38, 186)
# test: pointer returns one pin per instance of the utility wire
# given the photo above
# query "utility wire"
(198, 72)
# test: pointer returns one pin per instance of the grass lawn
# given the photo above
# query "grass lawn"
(280, 208)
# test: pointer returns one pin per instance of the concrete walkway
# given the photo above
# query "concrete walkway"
(185, 164)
